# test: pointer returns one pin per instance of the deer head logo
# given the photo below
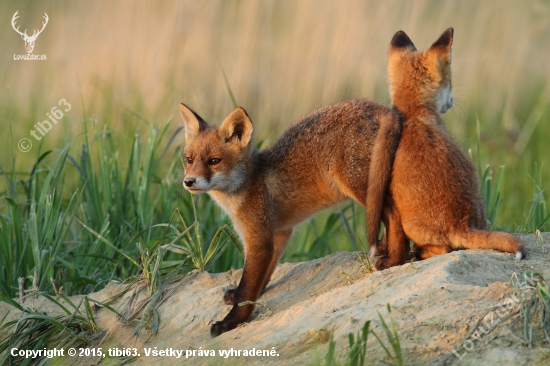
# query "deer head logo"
(29, 40)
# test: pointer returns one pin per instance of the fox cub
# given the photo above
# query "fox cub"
(434, 195)
(337, 152)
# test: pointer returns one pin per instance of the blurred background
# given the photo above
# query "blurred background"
(128, 64)
(99, 197)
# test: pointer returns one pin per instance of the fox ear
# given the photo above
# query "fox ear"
(401, 42)
(444, 45)
(194, 124)
(237, 128)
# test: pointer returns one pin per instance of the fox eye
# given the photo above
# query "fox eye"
(189, 160)
(214, 161)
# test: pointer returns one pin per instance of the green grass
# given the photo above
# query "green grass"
(535, 307)
(358, 343)
(87, 217)
(36, 330)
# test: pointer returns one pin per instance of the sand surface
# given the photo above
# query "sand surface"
(435, 304)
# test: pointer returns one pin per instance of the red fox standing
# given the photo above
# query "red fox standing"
(434, 196)
(338, 152)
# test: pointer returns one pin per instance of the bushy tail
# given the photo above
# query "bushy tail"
(383, 154)
(481, 239)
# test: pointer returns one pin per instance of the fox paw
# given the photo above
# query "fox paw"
(411, 256)
(418, 254)
(381, 264)
(229, 297)
(387, 262)
(219, 328)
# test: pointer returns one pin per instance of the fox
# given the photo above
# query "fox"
(338, 152)
(434, 193)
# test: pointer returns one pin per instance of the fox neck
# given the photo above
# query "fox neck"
(231, 200)
(413, 104)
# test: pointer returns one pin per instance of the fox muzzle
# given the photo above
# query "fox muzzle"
(188, 182)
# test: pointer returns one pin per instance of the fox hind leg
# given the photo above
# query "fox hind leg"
(398, 243)
(381, 247)
(429, 250)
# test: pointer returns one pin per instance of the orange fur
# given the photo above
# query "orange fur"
(338, 152)
(434, 195)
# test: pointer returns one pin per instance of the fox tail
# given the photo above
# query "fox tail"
(380, 171)
(481, 239)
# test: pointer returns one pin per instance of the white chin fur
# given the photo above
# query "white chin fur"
(444, 99)
(518, 256)
(228, 183)
(448, 106)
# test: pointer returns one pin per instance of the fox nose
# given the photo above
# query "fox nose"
(189, 182)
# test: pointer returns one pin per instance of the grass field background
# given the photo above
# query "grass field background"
(124, 67)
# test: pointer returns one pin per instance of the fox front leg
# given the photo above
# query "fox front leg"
(259, 255)
(280, 240)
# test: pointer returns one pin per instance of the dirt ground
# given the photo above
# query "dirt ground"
(435, 304)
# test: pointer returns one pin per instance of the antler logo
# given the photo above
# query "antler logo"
(29, 40)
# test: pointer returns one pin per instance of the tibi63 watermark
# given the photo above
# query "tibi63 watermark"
(42, 128)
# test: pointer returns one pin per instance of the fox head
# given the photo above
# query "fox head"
(421, 79)
(215, 158)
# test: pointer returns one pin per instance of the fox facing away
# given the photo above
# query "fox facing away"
(433, 197)
(337, 152)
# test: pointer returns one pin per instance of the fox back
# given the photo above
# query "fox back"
(435, 193)
(337, 152)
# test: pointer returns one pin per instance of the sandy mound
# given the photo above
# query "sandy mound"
(435, 304)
